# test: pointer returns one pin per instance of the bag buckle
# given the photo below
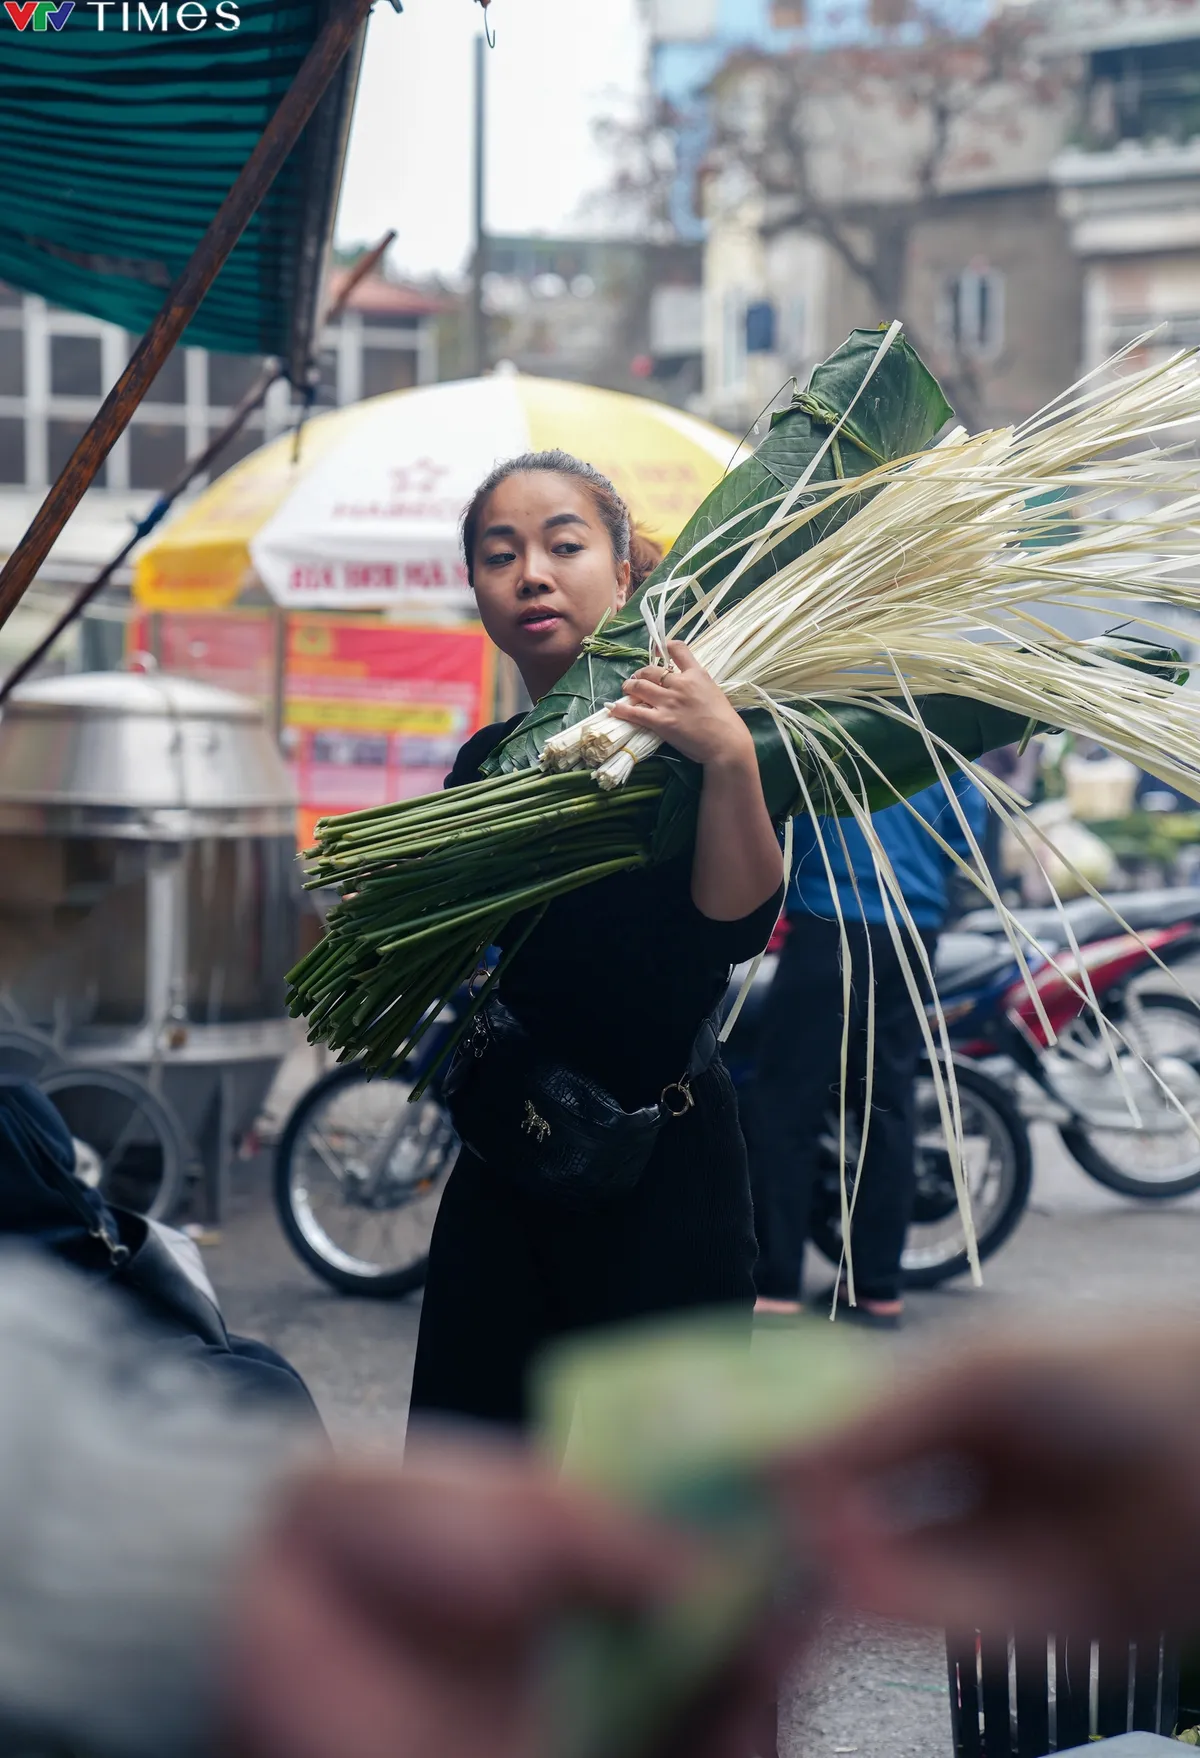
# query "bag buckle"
(676, 1098)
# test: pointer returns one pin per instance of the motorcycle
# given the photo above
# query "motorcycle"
(996, 1156)
(1126, 1105)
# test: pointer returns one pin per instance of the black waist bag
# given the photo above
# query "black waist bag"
(554, 1131)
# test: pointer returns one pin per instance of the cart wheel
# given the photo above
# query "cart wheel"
(26, 1054)
(136, 1138)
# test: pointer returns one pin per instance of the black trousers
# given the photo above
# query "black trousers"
(509, 1271)
(796, 1087)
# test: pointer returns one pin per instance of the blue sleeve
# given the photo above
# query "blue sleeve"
(974, 809)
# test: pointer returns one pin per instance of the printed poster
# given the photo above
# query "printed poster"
(376, 711)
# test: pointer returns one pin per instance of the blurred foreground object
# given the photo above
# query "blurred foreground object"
(128, 1485)
(1023, 1485)
(180, 1578)
(677, 1418)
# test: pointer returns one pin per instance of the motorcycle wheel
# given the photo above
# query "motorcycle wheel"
(358, 1176)
(999, 1169)
(1156, 1167)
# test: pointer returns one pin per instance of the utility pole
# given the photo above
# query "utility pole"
(479, 257)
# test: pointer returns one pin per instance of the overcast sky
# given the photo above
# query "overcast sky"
(557, 65)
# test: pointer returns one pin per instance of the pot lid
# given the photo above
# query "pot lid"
(125, 693)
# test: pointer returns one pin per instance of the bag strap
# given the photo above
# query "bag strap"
(704, 1050)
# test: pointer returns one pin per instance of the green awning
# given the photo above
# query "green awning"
(117, 147)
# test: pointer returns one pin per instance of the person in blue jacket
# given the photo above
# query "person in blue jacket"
(799, 1063)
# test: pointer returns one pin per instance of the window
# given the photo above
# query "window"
(387, 369)
(170, 385)
(760, 327)
(327, 378)
(389, 321)
(12, 363)
(230, 377)
(12, 449)
(157, 452)
(63, 437)
(973, 316)
(246, 440)
(75, 366)
(1146, 91)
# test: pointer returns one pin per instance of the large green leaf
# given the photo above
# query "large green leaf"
(901, 411)
(970, 728)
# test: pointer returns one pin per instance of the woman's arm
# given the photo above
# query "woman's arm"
(737, 864)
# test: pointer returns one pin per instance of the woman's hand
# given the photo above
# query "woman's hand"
(737, 864)
(687, 710)
(1050, 1485)
(407, 1612)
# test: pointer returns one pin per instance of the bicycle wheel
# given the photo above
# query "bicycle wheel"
(135, 1137)
(26, 1054)
(358, 1177)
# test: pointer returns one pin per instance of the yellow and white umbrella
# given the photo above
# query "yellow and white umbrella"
(368, 517)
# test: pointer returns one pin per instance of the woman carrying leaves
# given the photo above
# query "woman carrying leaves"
(614, 983)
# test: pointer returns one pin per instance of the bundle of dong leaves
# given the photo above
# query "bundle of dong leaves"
(873, 599)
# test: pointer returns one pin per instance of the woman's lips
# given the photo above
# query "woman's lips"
(539, 622)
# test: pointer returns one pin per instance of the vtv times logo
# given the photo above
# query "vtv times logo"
(40, 13)
(129, 15)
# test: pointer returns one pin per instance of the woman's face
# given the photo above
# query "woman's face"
(544, 573)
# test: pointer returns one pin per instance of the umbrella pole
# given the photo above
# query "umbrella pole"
(226, 227)
(271, 373)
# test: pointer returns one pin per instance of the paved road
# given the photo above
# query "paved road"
(871, 1691)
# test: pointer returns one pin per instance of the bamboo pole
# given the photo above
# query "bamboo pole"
(226, 227)
(273, 370)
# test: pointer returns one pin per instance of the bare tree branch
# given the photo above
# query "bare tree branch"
(858, 145)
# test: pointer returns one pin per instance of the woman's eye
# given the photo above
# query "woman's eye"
(500, 558)
(567, 548)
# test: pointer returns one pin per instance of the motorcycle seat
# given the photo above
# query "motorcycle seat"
(968, 961)
(1090, 920)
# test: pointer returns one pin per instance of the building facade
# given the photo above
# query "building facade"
(1129, 182)
(1063, 222)
(626, 314)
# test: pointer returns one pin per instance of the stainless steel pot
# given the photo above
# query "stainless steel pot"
(149, 894)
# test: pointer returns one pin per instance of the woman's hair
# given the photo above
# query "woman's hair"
(644, 557)
(613, 512)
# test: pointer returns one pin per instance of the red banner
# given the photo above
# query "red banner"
(375, 711)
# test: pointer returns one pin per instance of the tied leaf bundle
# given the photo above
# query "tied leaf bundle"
(877, 606)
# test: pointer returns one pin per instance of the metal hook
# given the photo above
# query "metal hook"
(488, 33)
